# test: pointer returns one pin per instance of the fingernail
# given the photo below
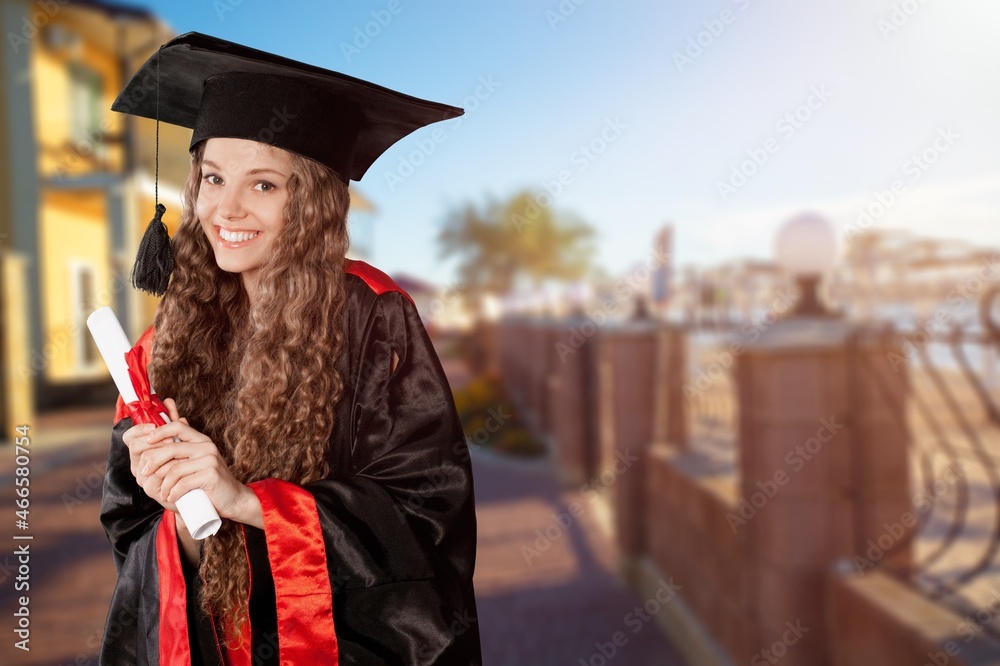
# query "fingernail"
(145, 468)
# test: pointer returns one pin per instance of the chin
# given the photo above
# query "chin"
(231, 266)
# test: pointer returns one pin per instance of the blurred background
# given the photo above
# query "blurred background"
(716, 285)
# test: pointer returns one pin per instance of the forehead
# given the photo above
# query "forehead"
(243, 154)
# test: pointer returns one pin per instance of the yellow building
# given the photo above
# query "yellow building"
(76, 194)
(75, 183)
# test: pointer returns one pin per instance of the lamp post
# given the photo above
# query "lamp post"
(806, 249)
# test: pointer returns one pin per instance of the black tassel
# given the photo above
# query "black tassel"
(154, 262)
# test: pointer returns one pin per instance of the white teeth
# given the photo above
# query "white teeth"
(236, 237)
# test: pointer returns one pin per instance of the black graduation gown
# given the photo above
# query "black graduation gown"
(390, 535)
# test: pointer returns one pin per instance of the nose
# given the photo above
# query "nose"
(231, 204)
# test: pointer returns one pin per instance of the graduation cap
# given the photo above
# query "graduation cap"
(222, 89)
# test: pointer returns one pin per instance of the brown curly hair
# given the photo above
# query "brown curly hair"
(258, 380)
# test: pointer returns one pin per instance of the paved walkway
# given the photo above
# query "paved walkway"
(72, 573)
(546, 592)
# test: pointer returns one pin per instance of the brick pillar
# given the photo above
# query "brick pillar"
(824, 462)
(546, 366)
(671, 422)
(512, 364)
(628, 376)
(570, 402)
(536, 369)
(488, 340)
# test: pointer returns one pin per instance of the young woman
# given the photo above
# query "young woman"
(306, 398)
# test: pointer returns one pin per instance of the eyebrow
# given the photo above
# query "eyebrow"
(251, 172)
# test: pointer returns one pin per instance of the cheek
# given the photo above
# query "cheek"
(202, 208)
(276, 216)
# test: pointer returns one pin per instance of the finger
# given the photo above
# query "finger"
(138, 446)
(163, 470)
(202, 478)
(172, 409)
(178, 480)
(152, 488)
(137, 432)
(156, 456)
(178, 429)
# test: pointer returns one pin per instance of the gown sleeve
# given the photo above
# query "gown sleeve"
(394, 535)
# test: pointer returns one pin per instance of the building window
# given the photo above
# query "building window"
(84, 290)
(86, 87)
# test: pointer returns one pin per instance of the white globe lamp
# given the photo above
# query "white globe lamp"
(806, 249)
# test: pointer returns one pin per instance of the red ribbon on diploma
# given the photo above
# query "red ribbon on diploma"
(148, 406)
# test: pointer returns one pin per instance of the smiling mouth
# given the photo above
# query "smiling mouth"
(234, 239)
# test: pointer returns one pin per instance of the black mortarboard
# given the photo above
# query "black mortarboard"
(221, 89)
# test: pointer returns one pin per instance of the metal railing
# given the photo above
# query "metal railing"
(952, 417)
(710, 393)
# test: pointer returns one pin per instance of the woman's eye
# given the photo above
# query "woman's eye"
(264, 186)
(212, 179)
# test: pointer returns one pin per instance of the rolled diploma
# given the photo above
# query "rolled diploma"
(196, 509)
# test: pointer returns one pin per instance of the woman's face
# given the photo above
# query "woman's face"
(241, 202)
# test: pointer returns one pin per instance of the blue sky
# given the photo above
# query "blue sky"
(873, 83)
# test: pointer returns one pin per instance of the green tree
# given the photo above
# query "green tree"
(507, 241)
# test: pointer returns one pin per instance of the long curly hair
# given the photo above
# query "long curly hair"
(258, 380)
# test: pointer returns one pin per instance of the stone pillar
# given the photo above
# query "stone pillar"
(628, 378)
(825, 467)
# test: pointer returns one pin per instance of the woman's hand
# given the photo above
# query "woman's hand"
(135, 440)
(167, 469)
